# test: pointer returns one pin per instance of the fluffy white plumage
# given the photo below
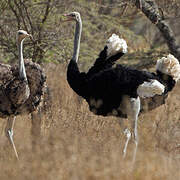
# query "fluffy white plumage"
(115, 45)
(169, 65)
(150, 89)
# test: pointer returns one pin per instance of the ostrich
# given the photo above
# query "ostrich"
(21, 89)
(116, 91)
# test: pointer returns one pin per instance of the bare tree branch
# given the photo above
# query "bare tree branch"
(150, 9)
(28, 17)
(46, 12)
(21, 14)
(15, 13)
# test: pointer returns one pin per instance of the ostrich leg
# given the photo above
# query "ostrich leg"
(128, 136)
(9, 133)
(134, 123)
(133, 109)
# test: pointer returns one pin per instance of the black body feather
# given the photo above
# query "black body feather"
(103, 62)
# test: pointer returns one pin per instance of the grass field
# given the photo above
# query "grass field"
(77, 145)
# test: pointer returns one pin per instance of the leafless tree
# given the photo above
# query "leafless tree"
(32, 16)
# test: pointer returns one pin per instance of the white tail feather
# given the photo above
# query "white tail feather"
(115, 45)
(150, 89)
(169, 65)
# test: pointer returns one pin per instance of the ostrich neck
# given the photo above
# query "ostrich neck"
(77, 39)
(22, 72)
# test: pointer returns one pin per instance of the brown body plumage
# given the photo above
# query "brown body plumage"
(14, 97)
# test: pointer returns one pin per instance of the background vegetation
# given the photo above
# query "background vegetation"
(75, 144)
(53, 39)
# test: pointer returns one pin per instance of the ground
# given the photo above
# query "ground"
(77, 145)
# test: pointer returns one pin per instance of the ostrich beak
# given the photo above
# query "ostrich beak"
(69, 18)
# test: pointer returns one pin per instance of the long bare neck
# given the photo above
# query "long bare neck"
(77, 39)
(22, 71)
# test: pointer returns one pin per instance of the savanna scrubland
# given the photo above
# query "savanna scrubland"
(75, 143)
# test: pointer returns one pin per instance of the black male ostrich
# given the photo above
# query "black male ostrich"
(116, 90)
(21, 89)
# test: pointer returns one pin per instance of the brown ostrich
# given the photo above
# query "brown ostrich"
(22, 88)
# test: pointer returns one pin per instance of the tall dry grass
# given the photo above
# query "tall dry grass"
(77, 145)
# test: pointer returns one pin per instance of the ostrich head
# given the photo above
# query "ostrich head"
(21, 35)
(73, 16)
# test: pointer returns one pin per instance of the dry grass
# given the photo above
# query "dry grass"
(78, 145)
